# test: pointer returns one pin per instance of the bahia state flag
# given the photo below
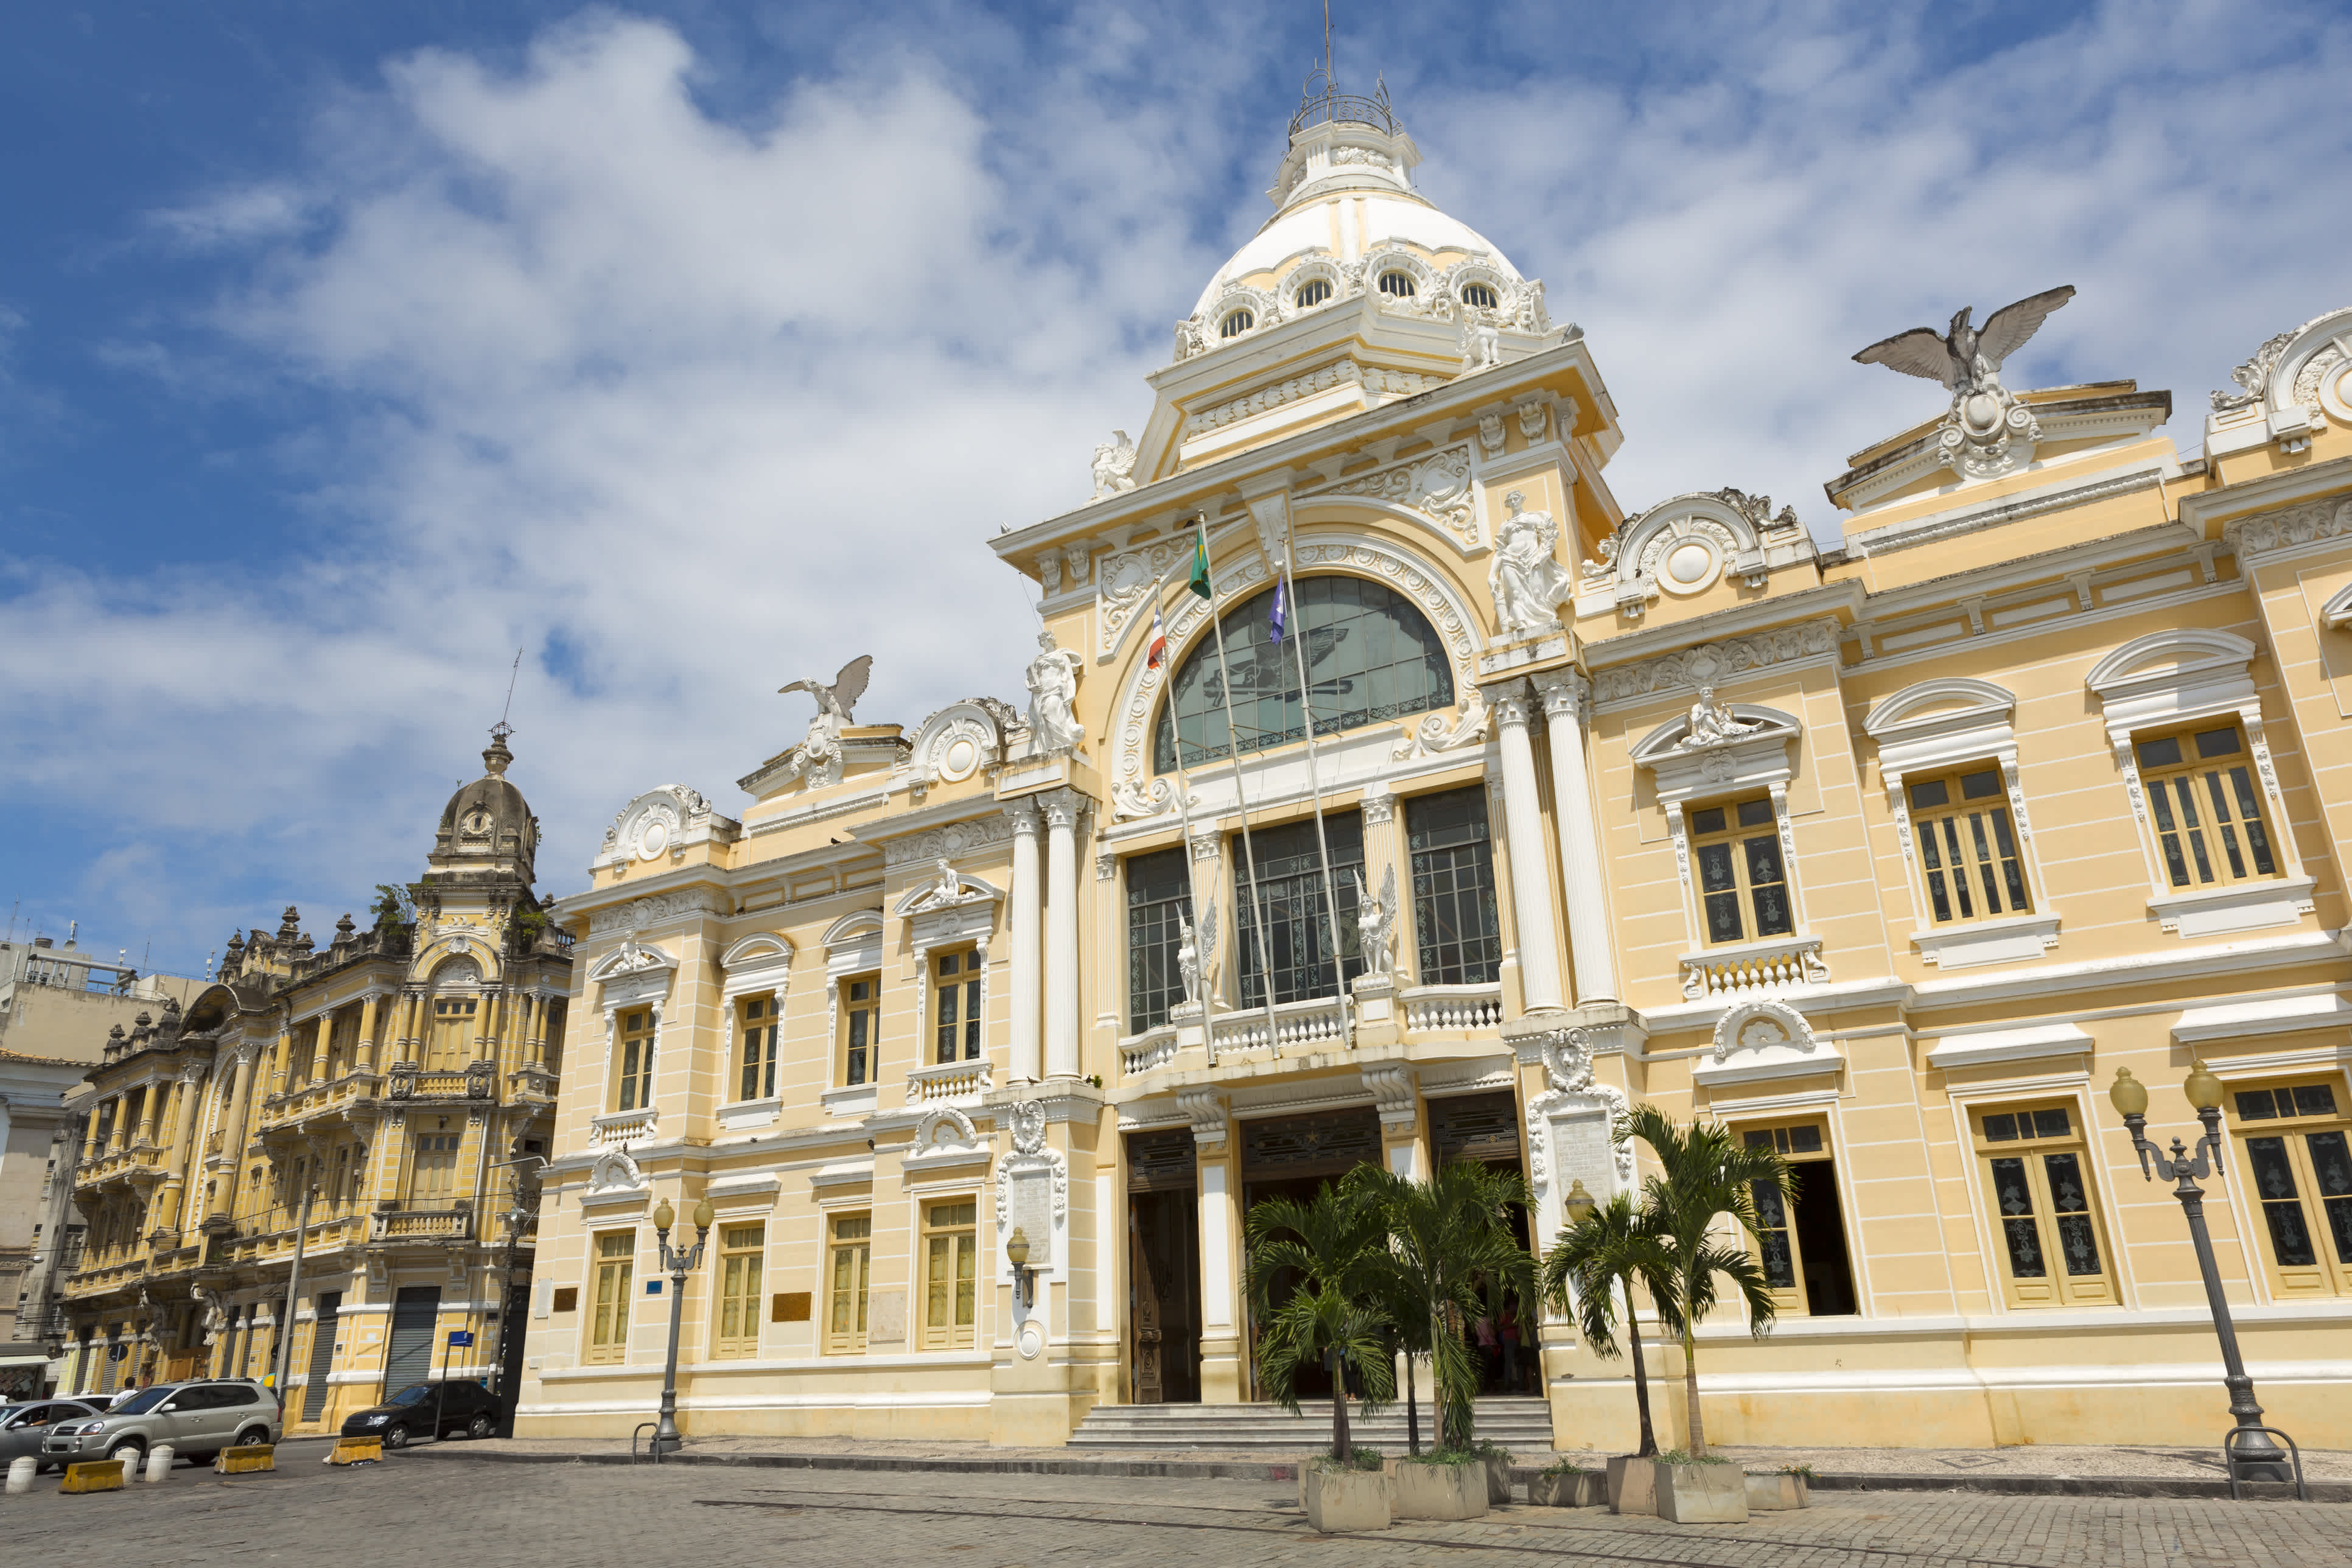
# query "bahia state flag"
(1159, 655)
(1275, 623)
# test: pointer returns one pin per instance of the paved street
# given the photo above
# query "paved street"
(580, 1516)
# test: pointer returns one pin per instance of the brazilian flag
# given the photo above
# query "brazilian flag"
(1199, 583)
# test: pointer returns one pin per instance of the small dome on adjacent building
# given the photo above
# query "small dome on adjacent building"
(488, 825)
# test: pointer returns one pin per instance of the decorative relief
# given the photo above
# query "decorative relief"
(1431, 734)
(1711, 662)
(1568, 1066)
(944, 1128)
(1054, 726)
(1132, 798)
(1307, 383)
(651, 825)
(1436, 486)
(1526, 577)
(1490, 433)
(2285, 530)
(639, 914)
(1206, 1111)
(2253, 377)
(1029, 1127)
(1533, 417)
(954, 841)
(1125, 580)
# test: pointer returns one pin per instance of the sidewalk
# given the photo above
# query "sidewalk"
(2129, 1471)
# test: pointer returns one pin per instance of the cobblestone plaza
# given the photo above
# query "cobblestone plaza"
(588, 1515)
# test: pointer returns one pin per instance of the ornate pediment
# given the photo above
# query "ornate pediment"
(1717, 746)
(1763, 1040)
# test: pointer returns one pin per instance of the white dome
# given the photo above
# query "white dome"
(1347, 226)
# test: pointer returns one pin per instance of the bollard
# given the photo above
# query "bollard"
(246, 1461)
(93, 1476)
(158, 1462)
(21, 1472)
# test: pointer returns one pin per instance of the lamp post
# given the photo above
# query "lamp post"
(677, 1262)
(2256, 1457)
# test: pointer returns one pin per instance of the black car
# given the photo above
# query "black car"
(427, 1410)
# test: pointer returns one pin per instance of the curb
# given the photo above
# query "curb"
(2184, 1487)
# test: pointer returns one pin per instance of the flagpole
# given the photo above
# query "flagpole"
(1315, 786)
(1234, 750)
(1184, 811)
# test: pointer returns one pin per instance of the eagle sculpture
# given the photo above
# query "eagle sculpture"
(837, 699)
(1967, 356)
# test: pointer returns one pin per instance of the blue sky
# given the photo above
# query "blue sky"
(346, 349)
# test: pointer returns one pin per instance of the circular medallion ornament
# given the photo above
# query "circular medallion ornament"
(653, 839)
(1031, 1341)
(959, 759)
(1690, 563)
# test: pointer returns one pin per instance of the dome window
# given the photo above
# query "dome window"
(1478, 294)
(1314, 291)
(1237, 322)
(1400, 284)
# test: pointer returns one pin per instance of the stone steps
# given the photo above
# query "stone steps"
(1521, 1425)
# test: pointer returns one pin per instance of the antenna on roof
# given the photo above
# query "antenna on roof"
(1327, 40)
(512, 676)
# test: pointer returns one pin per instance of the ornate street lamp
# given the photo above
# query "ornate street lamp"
(2248, 1448)
(678, 1262)
(1579, 1205)
(1016, 1253)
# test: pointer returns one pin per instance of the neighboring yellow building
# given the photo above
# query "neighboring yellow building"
(1888, 855)
(360, 1098)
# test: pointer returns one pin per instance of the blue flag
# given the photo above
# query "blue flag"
(1277, 621)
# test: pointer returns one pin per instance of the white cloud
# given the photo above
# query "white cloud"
(690, 406)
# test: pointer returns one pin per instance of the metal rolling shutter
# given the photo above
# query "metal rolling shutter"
(322, 1353)
(409, 1358)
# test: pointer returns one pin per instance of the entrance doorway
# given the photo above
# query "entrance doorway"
(1485, 1129)
(1292, 1157)
(1163, 1240)
(408, 1356)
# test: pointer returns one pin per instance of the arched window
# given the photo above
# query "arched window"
(1399, 283)
(1478, 294)
(1314, 291)
(1371, 656)
(1236, 323)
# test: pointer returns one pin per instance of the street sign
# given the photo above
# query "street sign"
(460, 1337)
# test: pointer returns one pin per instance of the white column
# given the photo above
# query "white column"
(1027, 1058)
(1522, 827)
(1567, 706)
(1061, 934)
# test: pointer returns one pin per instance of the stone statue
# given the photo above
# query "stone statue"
(1527, 581)
(1114, 466)
(1965, 359)
(1482, 343)
(946, 889)
(1712, 724)
(1052, 697)
(1196, 948)
(817, 759)
(1376, 923)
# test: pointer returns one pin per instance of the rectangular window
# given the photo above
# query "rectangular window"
(608, 1324)
(2035, 1166)
(634, 1084)
(955, 993)
(1801, 1239)
(757, 1074)
(1969, 856)
(453, 1033)
(1459, 937)
(1158, 905)
(433, 1171)
(861, 1029)
(343, 1049)
(2207, 806)
(1743, 887)
(1306, 961)
(740, 1248)
(950, 1266)
(2298, 1160)
(851, 1245)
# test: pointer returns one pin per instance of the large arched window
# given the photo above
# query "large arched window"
(1371, 656)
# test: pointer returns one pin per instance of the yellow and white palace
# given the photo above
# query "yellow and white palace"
(324, 1126)
(1889, 854)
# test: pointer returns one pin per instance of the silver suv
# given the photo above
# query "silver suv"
(197, 1419)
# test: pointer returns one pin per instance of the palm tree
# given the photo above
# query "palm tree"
(1610, 1251)
(1329, 1251)
(1704, 1171)
(1450, 1243)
